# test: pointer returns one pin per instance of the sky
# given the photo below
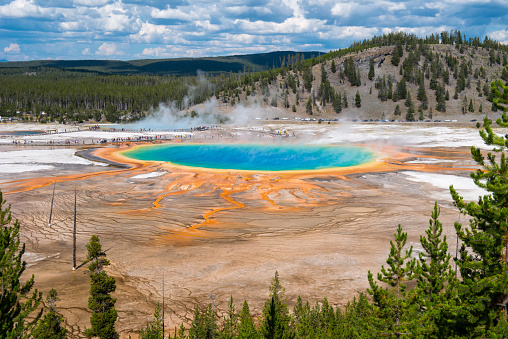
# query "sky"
(148, 29)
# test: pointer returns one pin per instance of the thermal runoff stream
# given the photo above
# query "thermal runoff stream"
(255, 157)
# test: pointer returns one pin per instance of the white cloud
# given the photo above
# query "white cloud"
(12, 48)
(392, 6)
(91, 3)
(71, 26)
(107, 49)
(349, 32)
(22, 9)
(191, 14)
(468, 2)
(115, 18)
(343, 9)
(150, 33)
(501, 36)
(86, 51)
(295, 6)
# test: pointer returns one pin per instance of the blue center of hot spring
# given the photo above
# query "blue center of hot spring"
(255, 157)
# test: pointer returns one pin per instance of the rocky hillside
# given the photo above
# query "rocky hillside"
(404, 81)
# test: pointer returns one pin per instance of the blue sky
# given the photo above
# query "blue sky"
(139, 29)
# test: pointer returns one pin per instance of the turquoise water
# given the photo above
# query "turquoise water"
(255, 157)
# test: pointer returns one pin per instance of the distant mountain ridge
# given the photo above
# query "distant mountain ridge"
(178, 66)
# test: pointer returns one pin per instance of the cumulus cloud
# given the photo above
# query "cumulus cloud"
(501, 36)
(23, 8)
(343, 9)
(158, 28)
(108, 49)
(12, 48)
(91, 3)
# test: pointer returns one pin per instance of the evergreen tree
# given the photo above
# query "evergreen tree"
(358, 100)
(436, 282)
(402, 89)
(396, 305)
(410, 116)
(276, 318)
(309, 106)
(100, 302)
(337, 104)
(246, 328)
(397, 111)
(344, 99)
(230, 322)
(197, 329)
(408, 102)
(333, 68)
(371, 69)
(420, 113)
(16, 301)
(50, 326)
(482, 261)
(499, 93)
(422, 94)
(153, 329)
(397, 53)
(323, 74)
(204, 324)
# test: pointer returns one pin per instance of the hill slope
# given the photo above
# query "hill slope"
(425, 81)
(178, 67)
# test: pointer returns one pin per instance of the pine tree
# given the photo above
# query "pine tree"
(436, 282)
(100, 302)
(246, 328)
(410, 113)
(230, 322)
(358, 100)
(309, 106)
(483, 254)
(396, 305)
(198, 326)
(337, 104)
(276, 318)
(371, 69)
(333, 68)
(16, 301)
(50, 326)
(499, 93)
(397, 110)
(432, 275)
(153, 329)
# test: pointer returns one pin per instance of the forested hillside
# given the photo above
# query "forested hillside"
(395, 76)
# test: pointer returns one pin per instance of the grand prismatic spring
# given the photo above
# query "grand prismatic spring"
(222, 225)
(255, 157)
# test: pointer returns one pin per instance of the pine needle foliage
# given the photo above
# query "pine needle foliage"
(483, 254)
(100, 302)
(17, 300)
